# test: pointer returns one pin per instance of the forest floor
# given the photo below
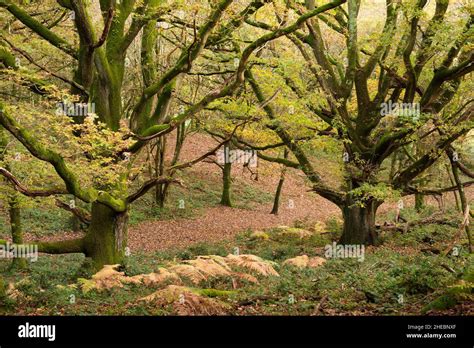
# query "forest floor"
(202, 219)
(278, 271)
(171, 249)
(297, 205)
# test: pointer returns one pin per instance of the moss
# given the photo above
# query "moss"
(441, 303)
(461, 291)
(62, 247)
(16, 228)
(148, 132)
(259, 235)
(7, 58)
(213, 292)
(4, 301)
(107, 236)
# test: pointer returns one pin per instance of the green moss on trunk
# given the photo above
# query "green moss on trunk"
(419, 202)
(106, 238)
(16, 230)
(276, 201)
(68, 246)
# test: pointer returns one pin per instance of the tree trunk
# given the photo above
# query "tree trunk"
(276, 201)
(226, 178)
(463, 199)
(106, 238)
(453, 183)
(419, 202)
(104, 243)
(160, 196)
(74, 220)
(160, 191)
(16, 230)
(440, 200)
(359, 224)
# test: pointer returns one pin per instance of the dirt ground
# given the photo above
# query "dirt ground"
(221, 223)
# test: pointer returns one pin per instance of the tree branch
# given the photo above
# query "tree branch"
(38, 28)
(43, 153)
(150, 184)
(105, 33)
(68, 246)
(81, 214)
(27, 192)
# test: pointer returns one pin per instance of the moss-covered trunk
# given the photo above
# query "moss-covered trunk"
(16, 230)
(106, 238)
(419, 202)
(160, 190)
(464, 203)
(107, 99)
(359, 224)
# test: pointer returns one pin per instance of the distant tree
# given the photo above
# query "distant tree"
(281, 181)
(13, 201)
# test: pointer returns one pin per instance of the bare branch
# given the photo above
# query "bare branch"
(81, 214)
(27, 192)
(105, 33)
(151, 183)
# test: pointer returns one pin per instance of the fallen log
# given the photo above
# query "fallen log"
(430, 220)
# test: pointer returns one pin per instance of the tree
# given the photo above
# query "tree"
(226, 177)
(281, 181)
(110, 143)
(14, 207)
(415, 62)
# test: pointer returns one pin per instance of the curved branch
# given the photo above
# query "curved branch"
(209, 153)
(465, 170)
(27, 192)
(404, 177)
(33, 61)
(280, 160)
(433, 192)
(81, 214)
(150, 184)
(68, 246)
(105, 33)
